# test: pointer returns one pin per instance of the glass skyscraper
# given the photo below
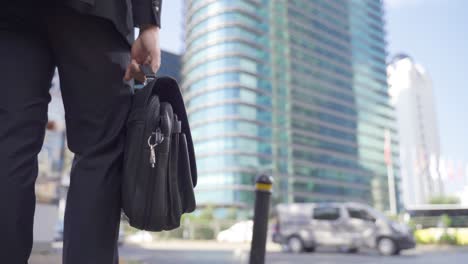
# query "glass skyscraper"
(171, 65)
(292, 88)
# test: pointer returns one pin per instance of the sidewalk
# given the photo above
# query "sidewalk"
(201, 245)
(56, 259)
(54, 256)
(45, 259)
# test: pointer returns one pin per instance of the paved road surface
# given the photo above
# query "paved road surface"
(193, 253)
(224, 256)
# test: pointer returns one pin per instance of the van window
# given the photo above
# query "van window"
(326, 213)
(360, 214)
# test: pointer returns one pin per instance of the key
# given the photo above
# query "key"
(158, 138)
(152, 157)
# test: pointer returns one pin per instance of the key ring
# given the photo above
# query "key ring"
(158, 138)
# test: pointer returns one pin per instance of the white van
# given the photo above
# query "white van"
(348, 226)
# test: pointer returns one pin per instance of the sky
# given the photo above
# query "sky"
(171, 34)
(433, 32)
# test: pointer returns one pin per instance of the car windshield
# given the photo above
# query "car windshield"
(376, 214)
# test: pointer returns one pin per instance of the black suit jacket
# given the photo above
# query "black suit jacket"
(125, 14)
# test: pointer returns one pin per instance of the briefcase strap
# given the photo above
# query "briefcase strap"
(149, 74)
(177, 125)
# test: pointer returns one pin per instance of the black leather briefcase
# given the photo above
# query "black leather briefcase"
(159, 161)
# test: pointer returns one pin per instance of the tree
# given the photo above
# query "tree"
(231, 214)
(444, 200)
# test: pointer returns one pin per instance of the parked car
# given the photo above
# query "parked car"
(239, 232)
(140, 237)
(348, 226)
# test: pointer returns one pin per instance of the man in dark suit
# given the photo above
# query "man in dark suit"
(91, 44)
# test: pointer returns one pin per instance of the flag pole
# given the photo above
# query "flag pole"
(390, 173)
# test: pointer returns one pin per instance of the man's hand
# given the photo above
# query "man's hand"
(145, 50)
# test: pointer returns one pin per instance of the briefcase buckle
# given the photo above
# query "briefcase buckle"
(158, 139)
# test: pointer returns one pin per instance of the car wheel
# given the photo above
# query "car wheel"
(387, 246)
(295, 244)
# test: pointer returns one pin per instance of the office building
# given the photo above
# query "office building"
(170, 65)
(413, 98)
(296, 89)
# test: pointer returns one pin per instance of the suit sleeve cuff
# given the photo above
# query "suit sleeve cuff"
(147, 13)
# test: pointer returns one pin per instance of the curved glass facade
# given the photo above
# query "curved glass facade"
(227, 90)
(293, 88)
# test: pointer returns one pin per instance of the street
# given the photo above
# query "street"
(183, 252)
(181, 255)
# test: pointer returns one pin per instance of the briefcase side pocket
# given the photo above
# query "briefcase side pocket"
(175, 210)
(185, 177)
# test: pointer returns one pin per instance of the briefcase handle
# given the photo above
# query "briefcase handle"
(149, 74)
(146, 69)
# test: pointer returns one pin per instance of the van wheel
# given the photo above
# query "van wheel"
(387, 246)
(295, 244)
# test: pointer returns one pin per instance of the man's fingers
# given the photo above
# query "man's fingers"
(156, 61)
(155, 64)
(127, 76)
(153, 61)
(129, 72)
(134, 72)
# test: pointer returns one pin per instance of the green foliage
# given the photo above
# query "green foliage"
(444, 200)
(173, 234)
(424, 237)
(232, 214)
(446, 220)
(448, 239)
(412, 224)
(206, 213)
(199, 219)
(201, 225)
(128, 229)
(442, 236)
(394, 217)
(204, 233)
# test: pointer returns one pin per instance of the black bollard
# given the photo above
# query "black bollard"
(263, 188)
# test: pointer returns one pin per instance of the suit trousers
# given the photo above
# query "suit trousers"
(91, 57)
